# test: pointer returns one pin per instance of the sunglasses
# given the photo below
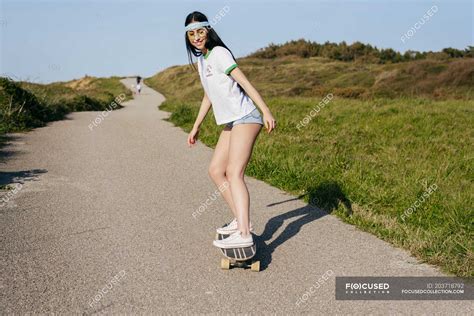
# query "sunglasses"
(199, 32)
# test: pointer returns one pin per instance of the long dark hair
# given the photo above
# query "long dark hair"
(213, 39)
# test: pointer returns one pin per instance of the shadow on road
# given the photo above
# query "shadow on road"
(324, 199)
(20, 176)
(11, 177)
(5, 154)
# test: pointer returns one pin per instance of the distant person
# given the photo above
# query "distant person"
(139, 86)
(233, 107)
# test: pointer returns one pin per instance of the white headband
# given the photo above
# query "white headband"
(196, 25)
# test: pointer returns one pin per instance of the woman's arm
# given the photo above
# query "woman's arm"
(239, 76)
(205, 106)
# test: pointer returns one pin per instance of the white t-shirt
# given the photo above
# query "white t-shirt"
(229, 101)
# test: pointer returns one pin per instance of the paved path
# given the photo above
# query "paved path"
(112, 209)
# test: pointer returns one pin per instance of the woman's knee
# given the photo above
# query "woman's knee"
(216, 172)
(234, 173)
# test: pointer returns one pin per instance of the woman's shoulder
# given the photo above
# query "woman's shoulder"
(220, 48)
(221, 52)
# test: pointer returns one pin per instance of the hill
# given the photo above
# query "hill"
(435, 76)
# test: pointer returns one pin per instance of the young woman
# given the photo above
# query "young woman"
(231, 95)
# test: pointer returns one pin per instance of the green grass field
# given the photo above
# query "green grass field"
(393, 164)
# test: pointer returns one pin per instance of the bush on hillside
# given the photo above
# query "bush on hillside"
(355, 51)
(19, 108)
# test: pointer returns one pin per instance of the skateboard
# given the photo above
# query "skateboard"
(240, 257)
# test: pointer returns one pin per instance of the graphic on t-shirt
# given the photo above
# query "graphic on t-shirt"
(208, 71)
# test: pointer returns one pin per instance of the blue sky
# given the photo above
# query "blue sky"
(60, 40)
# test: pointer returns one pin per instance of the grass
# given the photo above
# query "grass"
(368, 162)
(292, 76)
(25, 105)
(367, 156)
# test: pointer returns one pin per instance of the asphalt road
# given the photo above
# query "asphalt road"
(103, 223)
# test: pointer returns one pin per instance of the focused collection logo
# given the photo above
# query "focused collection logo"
(367, 287)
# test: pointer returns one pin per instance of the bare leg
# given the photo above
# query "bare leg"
(218, 165)
(241, 144)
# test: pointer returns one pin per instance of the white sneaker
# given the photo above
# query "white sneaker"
(234, 240)
(230, 228)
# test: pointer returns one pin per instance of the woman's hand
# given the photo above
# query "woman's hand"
(193, 136)
(269, 121)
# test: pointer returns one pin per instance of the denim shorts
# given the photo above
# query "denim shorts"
(252, 117)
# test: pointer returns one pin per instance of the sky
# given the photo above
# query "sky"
(60, 40)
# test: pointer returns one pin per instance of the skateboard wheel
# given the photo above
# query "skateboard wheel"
(225, 264)
(255, 266)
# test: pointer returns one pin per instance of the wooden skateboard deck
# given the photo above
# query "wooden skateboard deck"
(240, 257)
